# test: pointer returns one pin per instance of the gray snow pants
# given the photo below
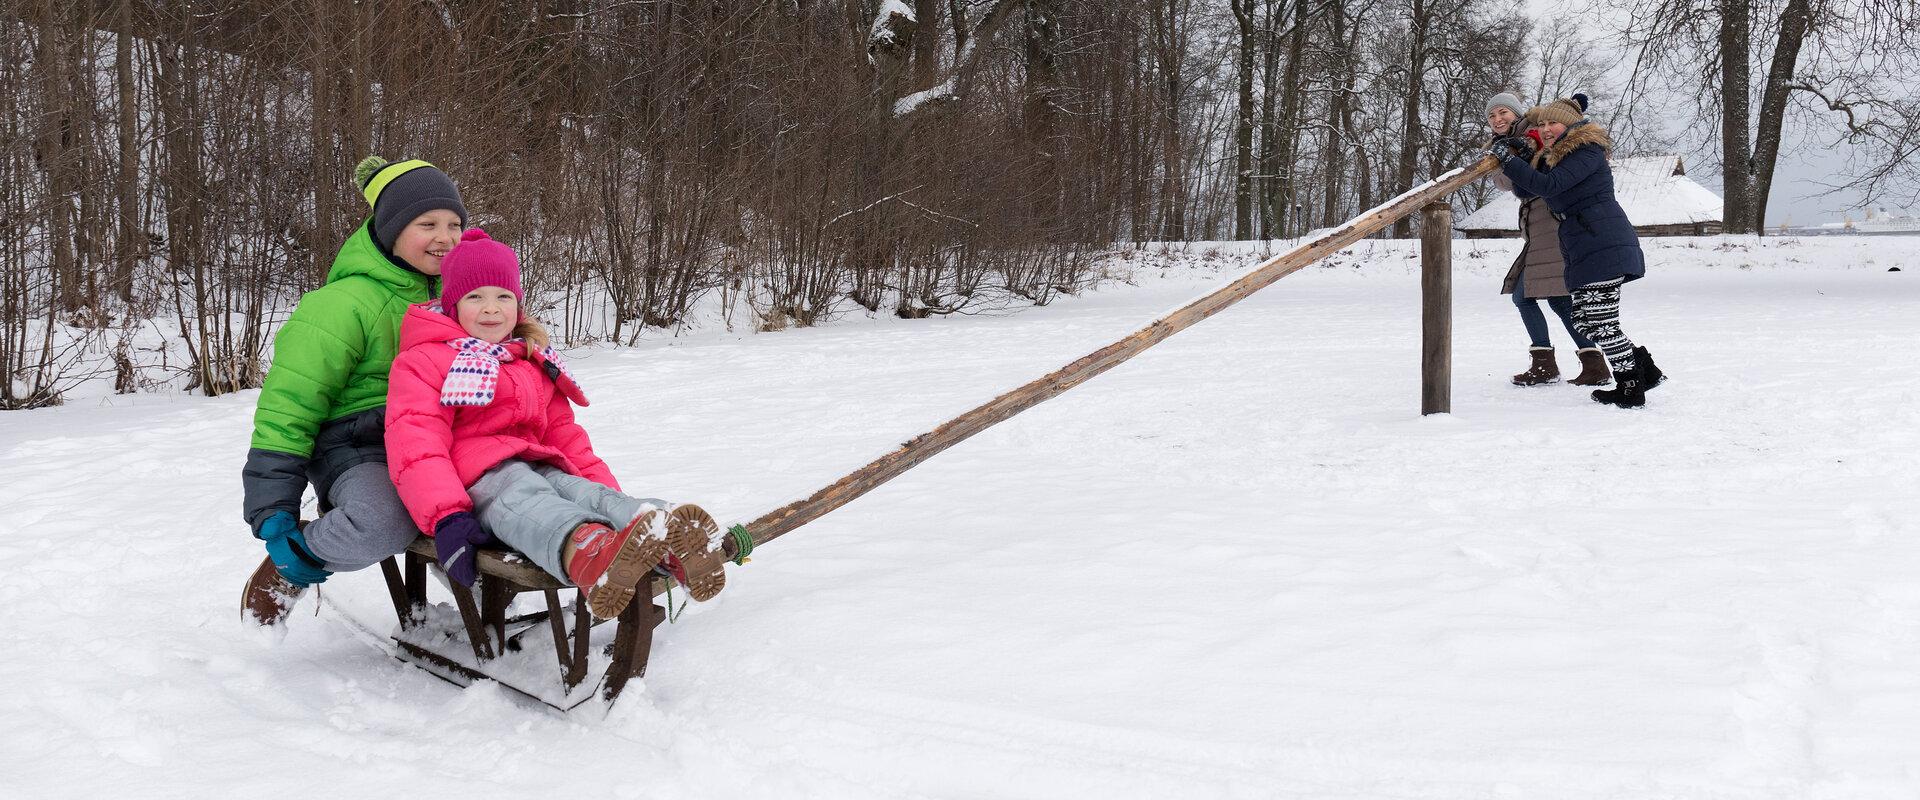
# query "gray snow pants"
(367, 521)
(534, 507)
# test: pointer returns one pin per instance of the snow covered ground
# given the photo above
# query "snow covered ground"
(1238, 566)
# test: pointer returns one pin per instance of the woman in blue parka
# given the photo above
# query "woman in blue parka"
(1597, 242)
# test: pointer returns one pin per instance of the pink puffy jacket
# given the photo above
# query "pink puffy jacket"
(435, 451)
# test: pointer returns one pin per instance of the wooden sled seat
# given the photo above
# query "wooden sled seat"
(501, 576)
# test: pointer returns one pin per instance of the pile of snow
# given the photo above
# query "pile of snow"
(1239, 565)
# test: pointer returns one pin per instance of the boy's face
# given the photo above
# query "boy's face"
(489, 313)
(427, 239)
(1501, 120)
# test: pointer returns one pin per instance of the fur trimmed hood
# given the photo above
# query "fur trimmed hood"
(1578, 135)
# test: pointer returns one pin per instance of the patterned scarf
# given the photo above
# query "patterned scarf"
(476, 372)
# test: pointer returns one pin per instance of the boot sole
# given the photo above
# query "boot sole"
(265, 601)
(1618, 403)
(690, 533)
(638, 554)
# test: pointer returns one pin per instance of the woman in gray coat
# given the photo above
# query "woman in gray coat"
(1538, 271)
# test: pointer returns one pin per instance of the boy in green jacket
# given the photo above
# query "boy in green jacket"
(320, 419)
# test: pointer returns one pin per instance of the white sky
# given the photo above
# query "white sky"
(1804, 162)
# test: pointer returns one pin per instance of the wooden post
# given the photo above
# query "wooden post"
(1436, 308)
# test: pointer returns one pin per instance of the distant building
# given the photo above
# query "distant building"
(1659, 198)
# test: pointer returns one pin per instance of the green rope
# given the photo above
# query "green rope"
(672, 614)
(742, 543)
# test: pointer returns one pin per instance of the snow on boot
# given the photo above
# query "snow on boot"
(1593, 368)
(1627, 391)
(610, 564)
(693, 560)
(1544, 370)
(268, 599)
(1651, 371)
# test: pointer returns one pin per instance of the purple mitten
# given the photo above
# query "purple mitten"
(454, 540)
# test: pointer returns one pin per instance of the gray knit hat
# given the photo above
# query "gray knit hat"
(402, 190)
(1509, 101)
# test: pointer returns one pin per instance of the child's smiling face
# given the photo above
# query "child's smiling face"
(489, 313)
(427, 239)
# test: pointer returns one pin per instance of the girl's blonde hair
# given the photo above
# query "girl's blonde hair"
(533, 332)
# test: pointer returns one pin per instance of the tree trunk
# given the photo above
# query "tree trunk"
(1794, 21)
(926, 48)
(1170, 53)
(1735, 151)
(1283, 183)
(1243, 123)
(1340, 112)
(1411, 131)
(327, 191)
(53, 152)
(1043, 82)
(129, 244)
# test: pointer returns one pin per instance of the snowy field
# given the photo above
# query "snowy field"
(1239, 566)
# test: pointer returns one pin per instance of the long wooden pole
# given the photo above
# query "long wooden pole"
(782, 520)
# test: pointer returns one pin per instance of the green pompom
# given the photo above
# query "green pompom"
(363, 171)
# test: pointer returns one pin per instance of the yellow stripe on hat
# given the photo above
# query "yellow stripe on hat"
(386, 175)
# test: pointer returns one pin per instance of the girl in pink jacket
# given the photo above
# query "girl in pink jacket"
(482, 445)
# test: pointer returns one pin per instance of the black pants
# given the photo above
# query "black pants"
(1596, 312)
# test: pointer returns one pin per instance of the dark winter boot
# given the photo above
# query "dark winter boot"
(1593, 368)
(1650, 371)
(1544, 370)
(268, 599)
(1627, 391)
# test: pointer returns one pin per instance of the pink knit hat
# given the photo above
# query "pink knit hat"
(477, 261)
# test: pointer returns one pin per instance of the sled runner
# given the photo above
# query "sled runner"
(517, 626)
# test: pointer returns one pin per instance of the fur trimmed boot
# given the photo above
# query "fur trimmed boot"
(1650, 372)
(1593, 368)
(1627, 391)
(1544, 370)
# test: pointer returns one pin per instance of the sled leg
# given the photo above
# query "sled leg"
(495, 594)
(559, 628)
(633, 643)
(397, 590)
(416, 580)
(470, 616)
(582, 636)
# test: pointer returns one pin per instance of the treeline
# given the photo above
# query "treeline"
(185, 165)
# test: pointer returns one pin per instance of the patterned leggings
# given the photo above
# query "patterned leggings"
(1596, 313)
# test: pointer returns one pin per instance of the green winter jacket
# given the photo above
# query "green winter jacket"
(331, 358)
(319, 410)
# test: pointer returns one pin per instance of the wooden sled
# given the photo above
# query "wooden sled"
(486, 642)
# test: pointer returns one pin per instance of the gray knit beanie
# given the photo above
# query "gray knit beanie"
(402, 190)
(1509, 101)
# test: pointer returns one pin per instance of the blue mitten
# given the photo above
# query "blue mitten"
(455, 538)
(288, 549)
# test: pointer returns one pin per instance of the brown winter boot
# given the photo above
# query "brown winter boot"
(268, 599)
(692, 559)
(1593, 368)
(1544, 370)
